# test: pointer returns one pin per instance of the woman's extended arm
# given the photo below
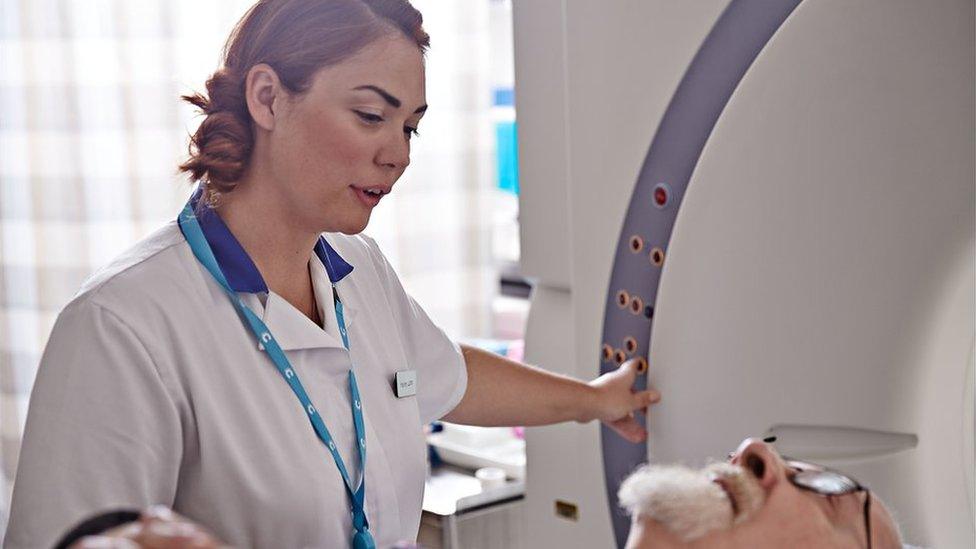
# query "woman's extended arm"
(504, 392)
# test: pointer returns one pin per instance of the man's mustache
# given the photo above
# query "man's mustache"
(691, 503)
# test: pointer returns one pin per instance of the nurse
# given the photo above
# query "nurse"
(256, 364)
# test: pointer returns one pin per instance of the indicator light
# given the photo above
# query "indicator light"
(657, 257)
(662, 195)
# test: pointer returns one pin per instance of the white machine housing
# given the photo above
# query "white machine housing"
(819, 281)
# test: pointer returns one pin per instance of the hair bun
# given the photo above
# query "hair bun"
(226, 92)
(220, 148)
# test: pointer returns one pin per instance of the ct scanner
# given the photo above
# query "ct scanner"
(772, 202)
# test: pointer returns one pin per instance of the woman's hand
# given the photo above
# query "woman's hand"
(503, 392)
(615, 402)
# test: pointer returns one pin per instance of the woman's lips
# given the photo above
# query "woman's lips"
(368, 199)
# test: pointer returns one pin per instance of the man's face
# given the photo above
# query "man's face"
(750, 503)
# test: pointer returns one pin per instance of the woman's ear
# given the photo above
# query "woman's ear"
(762, 461)
(261, 90)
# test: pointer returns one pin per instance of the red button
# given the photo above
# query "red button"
(660, 196)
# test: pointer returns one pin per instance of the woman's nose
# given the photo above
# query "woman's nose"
(395, 153)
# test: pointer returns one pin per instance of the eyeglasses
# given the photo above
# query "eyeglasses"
(827, 482)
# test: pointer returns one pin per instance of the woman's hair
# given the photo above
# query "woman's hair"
(296, 38)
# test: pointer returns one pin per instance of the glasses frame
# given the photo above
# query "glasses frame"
(805, 477)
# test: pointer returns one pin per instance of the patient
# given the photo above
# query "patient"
(757, 500)
(155, 528)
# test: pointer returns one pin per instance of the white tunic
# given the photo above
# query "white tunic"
(152, 390)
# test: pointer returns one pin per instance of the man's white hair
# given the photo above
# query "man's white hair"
(684, 501)
(691, 503)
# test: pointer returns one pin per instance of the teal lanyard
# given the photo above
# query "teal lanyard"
(362, 539)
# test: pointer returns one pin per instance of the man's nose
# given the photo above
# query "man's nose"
(755, 456)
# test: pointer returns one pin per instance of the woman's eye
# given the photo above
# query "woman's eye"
(368, 117)
(411, 132)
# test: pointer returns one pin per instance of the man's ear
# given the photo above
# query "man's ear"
(262, 91)
(762, 461)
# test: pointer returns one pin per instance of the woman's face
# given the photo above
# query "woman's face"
(335, 150)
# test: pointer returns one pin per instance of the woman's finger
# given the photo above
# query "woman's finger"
(629, 428)
(643, 399)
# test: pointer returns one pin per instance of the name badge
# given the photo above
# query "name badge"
(405, 383)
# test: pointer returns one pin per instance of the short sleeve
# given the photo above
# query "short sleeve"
(102, 430)
(442, 376)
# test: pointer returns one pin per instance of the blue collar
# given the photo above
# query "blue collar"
(238, 269)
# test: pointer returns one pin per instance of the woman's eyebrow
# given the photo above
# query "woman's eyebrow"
(388, 97)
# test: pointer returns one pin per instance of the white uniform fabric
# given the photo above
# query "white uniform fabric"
(152, 390)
